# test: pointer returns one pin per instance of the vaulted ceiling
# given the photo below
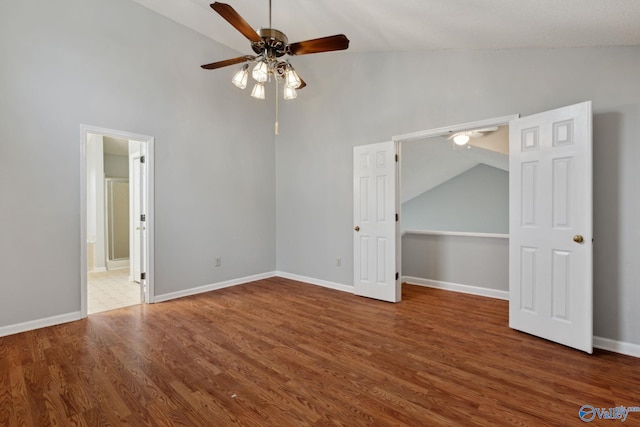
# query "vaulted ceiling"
(391, 25)
(421, 25)
(430, 162)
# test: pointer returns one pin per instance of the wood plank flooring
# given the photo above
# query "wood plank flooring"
(282, 353)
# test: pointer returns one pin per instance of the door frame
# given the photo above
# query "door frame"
(148, 142)
(431, 133)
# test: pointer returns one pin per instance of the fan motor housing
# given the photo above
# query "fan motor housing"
(274, 42)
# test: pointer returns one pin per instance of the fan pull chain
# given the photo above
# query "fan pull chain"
(276, 126)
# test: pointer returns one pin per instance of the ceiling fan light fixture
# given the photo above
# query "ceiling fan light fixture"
(241, 77)
(290, 93)
(269, 45)
(461, 139)
(291, 78)
(258, 91)
(260, 72)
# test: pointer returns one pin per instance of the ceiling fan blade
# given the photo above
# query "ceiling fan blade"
(238, 22)
(228, 62)
(323, 44)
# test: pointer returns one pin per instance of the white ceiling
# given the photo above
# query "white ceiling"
(394, 25)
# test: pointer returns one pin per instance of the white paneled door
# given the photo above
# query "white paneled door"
(375, 222)
(550, 226)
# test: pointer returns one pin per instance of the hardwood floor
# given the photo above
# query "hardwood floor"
(281, 353)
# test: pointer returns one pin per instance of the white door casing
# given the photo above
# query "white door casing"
(375, 222)
(550, 226)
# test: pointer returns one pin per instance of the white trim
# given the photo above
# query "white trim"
(39, 323)
(465, 289)
(212, 287)
(150, 157)
(496, 121)
(456, 233)
(149, 141)
(621, 347)
(317, 282)
(83, 223)
(118, 264)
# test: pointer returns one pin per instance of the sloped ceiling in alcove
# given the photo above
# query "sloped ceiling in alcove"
(427, 163)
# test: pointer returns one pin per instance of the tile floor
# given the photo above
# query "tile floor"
(110, 290)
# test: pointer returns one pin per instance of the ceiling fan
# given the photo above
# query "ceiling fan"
(463, 137)
(269, 45)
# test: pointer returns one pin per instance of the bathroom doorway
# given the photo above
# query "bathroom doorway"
(116, 220)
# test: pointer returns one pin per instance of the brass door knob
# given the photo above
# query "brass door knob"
(357, 228)
(578, 238)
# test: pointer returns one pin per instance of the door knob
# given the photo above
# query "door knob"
(578, 238)
(357, 228)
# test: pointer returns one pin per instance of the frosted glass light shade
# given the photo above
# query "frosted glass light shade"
(260, 72)
(461, 139)
(258, 91)
(291, 78)
(290, 93)
(241, 77)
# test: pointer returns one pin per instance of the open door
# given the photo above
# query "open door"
(550, 226)
(375, 219)
(138, 257)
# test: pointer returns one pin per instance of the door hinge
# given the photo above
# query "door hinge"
(397, 218)
(143, 276)
(142, 159)
(143, 217)
(397, 157)
(397, 275)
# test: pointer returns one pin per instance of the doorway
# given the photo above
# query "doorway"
(454, 206)
(499, 239)
(116, 219)
(550, 221)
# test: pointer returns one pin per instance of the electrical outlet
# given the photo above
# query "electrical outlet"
(338, 262)
(218, 262)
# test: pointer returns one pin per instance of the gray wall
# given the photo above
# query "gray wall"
(354, 99)
(117, 65)
(474, 201)
(473, 261)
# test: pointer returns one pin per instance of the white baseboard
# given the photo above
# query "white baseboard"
(118, 264)
(39, 323)
(212, 287)
(317, 282)
(617, 346)
(98, 270)
(466, 289)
